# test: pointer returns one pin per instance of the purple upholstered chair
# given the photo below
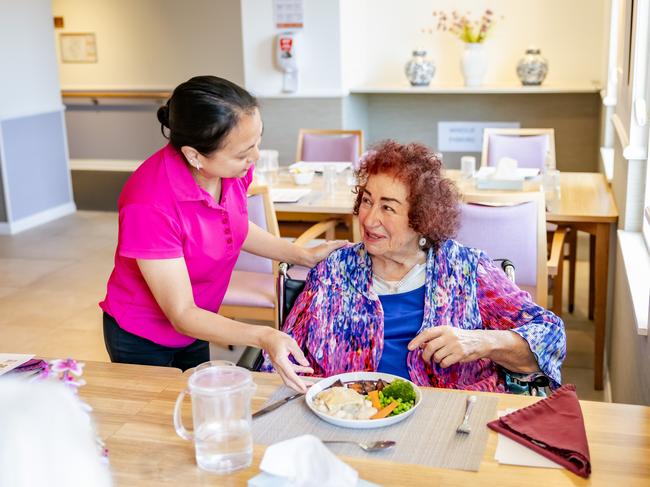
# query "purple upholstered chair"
(251, 292)
(513, 230)
(530, 148)
(329, 145)
(527, 146)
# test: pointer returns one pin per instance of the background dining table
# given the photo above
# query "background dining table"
(133, 405)
(585, 202)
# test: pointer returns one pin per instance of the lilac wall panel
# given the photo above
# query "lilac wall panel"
(35, 163)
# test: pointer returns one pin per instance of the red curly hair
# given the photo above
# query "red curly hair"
(433, 199)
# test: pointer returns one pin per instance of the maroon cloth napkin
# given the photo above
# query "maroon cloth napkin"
(553, 427)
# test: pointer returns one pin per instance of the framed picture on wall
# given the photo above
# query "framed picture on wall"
(78, 47)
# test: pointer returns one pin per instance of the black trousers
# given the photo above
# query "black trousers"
(127, 348)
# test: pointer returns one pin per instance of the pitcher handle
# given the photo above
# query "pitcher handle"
(178, 420)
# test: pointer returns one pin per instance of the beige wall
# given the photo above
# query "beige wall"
(379, 36)
(153, 44)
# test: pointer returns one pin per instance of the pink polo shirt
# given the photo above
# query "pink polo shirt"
(164, 214)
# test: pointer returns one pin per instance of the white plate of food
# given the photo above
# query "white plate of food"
(363, 400)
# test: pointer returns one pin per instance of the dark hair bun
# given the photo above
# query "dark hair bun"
(203, 111)
(163, 115)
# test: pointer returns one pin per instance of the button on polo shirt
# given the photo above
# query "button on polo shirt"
(164, 214)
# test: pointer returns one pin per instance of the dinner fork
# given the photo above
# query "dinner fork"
(469, 405)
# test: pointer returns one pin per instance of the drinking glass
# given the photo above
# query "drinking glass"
(551, 183)
(329, 178)
(350, 177)
(274, 166)
(262, 169)
(221, 414)
(268, 166)
(467, 166)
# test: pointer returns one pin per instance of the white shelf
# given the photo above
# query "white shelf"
(404, 89)
(636, 262)
(301, 94)
(109, 165)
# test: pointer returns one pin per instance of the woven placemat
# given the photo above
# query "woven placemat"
(428, 437)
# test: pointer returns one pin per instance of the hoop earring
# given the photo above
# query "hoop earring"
(422, 242)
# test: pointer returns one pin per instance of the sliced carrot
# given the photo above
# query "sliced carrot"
(374, 397)
(382, 413)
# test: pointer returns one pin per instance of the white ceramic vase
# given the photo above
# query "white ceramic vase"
(474, 63)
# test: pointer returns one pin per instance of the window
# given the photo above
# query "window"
(645, 225)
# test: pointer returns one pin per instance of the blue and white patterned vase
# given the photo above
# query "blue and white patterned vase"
(532, 68)
(419, 70)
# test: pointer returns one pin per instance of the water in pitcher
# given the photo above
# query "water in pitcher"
(224, 446)
(221, 398)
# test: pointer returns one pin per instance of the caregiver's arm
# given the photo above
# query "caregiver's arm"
(262, 243)
(170, 285)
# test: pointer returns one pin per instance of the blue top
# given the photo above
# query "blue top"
(403, 315)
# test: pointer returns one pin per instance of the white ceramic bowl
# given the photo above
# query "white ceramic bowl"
(359, 423)
(303, 177)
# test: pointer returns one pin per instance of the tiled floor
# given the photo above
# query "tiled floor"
(52, 277)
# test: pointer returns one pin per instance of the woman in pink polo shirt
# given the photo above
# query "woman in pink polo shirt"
(182, 223)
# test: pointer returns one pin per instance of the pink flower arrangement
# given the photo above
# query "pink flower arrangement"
(69, 372)
(462, 26)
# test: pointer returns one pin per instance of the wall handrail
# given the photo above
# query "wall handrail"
(147, 95)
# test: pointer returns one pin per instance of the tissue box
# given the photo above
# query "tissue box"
(489, 178)
(267, 480)
(507, 184)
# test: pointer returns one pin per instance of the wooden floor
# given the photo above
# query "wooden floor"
(53, 277)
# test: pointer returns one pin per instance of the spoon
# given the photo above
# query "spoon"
(369, 447)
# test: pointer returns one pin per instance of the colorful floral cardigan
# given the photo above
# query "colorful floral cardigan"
(338, 319)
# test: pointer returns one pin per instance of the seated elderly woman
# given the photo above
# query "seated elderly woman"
(409, 300)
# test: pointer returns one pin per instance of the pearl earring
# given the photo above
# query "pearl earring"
(196, 164)
(422, 242)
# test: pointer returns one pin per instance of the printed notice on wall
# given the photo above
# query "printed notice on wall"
(288, 14)
(78, 48)
(466, 136)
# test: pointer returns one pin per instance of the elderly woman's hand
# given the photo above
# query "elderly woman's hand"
(448, 345)
(280, 346)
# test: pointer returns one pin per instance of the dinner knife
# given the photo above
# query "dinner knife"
(275, 405)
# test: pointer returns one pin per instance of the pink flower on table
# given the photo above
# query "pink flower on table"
(67, 365)
(46, 372)
(71, 381)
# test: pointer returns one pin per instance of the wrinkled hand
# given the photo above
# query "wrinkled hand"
(280, 346)
(448, 345)
(320, 252)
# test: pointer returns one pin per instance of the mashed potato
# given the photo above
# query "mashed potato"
(344, 403)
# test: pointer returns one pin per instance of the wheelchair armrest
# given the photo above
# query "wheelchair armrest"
(535, 384)
(251, 359)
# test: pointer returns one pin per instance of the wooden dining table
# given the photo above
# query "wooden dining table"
(585, 202)
(133, 405)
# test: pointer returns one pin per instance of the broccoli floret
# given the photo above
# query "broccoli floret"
(400, 389)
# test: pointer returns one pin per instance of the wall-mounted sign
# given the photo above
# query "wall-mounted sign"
(466, 136)
(78, 48)
(288, 14)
